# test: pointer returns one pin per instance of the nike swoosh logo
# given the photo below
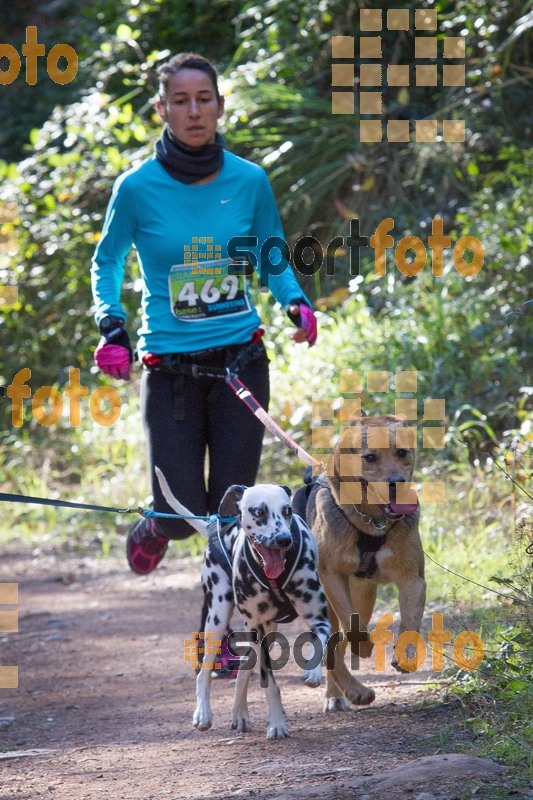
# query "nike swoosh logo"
(226, 201)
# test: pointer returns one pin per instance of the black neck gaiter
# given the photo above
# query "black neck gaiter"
(189, 164)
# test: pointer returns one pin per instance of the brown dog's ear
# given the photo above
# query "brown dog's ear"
(363, 413)
(229, 504)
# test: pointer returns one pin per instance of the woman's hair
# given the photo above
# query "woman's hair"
(185, 61)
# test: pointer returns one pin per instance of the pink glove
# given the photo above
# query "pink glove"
(309, 323)
(113, 359)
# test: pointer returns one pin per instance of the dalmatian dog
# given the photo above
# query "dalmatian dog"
(270, 574)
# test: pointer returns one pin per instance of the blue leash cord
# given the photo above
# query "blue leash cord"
(145, 512)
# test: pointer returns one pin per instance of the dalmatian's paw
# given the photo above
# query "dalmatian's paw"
(202, 718)
(241, 722)
(277, 730)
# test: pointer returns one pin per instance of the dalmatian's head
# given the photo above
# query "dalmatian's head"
(265, 516)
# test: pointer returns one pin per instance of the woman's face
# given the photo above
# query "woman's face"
(191, 108)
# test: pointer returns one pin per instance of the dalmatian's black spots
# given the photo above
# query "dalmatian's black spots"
(260, 514)
(263, 515)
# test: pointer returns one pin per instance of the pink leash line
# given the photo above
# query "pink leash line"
(244, 394)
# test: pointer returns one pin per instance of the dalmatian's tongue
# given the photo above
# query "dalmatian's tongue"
(273, 558)
(403, 508)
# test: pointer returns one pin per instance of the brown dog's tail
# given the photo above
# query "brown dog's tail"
(199, 525)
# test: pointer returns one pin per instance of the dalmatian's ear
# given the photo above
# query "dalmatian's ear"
(229, 505)
(287, 489)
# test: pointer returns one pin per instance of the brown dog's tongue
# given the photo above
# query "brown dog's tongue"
(274, 559)
(403, 508)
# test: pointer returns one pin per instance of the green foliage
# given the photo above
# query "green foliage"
(468, 338)
(498, 696)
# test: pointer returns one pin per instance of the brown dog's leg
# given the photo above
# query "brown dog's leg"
(337, 589)
(412, 598)
(363, 594)
(334, 699)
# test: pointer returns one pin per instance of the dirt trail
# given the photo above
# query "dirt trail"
(105, 700)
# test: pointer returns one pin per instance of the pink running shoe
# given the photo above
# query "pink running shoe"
(144, 547)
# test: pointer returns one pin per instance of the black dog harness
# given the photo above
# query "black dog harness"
(217, 544)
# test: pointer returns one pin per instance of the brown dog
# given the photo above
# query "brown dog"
(366, 526)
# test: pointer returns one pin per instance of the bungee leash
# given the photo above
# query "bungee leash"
(144, 512)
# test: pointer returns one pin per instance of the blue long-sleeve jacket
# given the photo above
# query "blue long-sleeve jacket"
(176, 229)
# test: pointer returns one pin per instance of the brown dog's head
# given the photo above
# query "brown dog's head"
(373, 464)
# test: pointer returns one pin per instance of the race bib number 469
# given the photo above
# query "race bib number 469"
(206, 291)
